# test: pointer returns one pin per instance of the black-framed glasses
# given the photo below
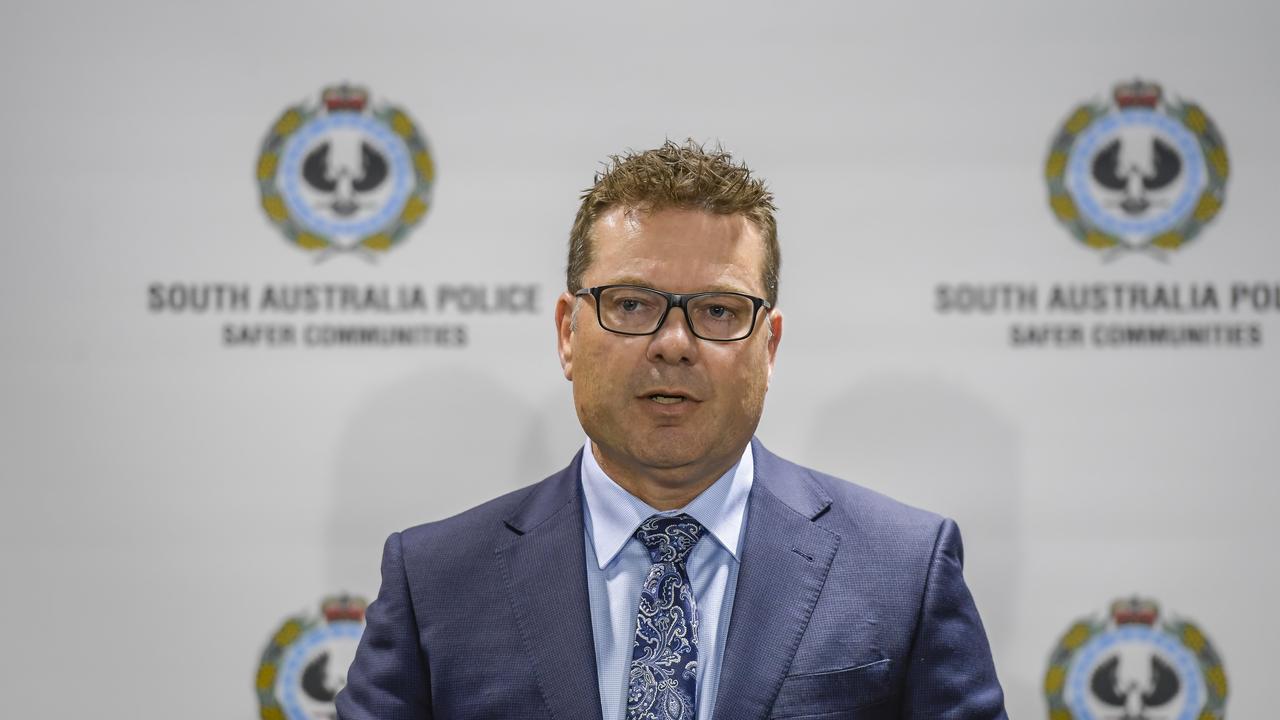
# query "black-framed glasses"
(635, 310)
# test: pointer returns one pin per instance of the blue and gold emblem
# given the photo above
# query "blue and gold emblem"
(1139, 173)
(343, 174)
(1135, 665)
(305, 663)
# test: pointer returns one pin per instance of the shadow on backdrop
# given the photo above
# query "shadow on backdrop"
(425, 448)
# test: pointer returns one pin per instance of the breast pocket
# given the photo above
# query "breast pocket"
(857, 693)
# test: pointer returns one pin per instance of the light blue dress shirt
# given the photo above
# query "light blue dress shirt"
(617, 564)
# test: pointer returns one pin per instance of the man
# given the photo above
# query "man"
(676, 569)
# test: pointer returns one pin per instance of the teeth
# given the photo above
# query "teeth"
(666, 399)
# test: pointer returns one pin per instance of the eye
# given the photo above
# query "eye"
(630, 304)
(718, 313)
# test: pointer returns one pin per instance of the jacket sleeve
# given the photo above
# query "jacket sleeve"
(388, 679)
(950, 674)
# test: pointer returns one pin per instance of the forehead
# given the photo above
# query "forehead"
(679, 250)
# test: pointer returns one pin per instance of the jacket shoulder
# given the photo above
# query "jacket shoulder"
(483, 521)
(860, 511)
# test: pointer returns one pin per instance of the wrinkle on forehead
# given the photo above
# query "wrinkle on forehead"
(633, 248)
(728, 279)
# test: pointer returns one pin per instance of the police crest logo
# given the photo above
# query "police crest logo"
(1141, 172)
(1135, 665)
(305, 663)
(344, 174)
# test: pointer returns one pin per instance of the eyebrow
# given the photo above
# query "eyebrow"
(633, 280)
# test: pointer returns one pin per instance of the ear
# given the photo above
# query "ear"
(564, 332)
(773, 323)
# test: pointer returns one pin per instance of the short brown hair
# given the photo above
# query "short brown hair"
(686, 176)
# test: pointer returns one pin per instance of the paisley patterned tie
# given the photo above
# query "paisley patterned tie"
(663, 680)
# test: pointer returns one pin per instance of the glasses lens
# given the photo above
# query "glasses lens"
(722, 316)
(631, 309)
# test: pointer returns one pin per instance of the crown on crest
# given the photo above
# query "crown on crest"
(344, 97)
(1134, 611)
(342, 607)
(1138, 93)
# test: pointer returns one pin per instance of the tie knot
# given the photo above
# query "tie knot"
(669, 538)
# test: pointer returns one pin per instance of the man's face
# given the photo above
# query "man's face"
(721, 385)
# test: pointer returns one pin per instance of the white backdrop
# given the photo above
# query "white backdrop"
(169, 500)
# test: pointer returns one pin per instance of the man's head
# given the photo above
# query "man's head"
(684, 176)
(670, 407)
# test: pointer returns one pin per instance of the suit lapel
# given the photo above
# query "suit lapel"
(545, 569)
(785, 560)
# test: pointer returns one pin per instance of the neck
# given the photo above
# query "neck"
(664, 488)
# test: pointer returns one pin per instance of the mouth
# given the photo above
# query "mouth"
(668, 397)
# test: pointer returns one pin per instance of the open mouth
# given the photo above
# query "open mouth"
(667, 399)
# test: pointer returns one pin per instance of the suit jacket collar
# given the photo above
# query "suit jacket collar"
(789, 483)
(548, 498)
(785, 560)
(545, 570)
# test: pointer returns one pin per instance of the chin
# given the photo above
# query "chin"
(662, 450)
(663, 457)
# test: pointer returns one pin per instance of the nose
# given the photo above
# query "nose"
(674, 342)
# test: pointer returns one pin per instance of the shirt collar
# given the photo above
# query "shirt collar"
(613, 514)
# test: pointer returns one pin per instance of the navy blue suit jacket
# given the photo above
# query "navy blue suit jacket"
(849, 606)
